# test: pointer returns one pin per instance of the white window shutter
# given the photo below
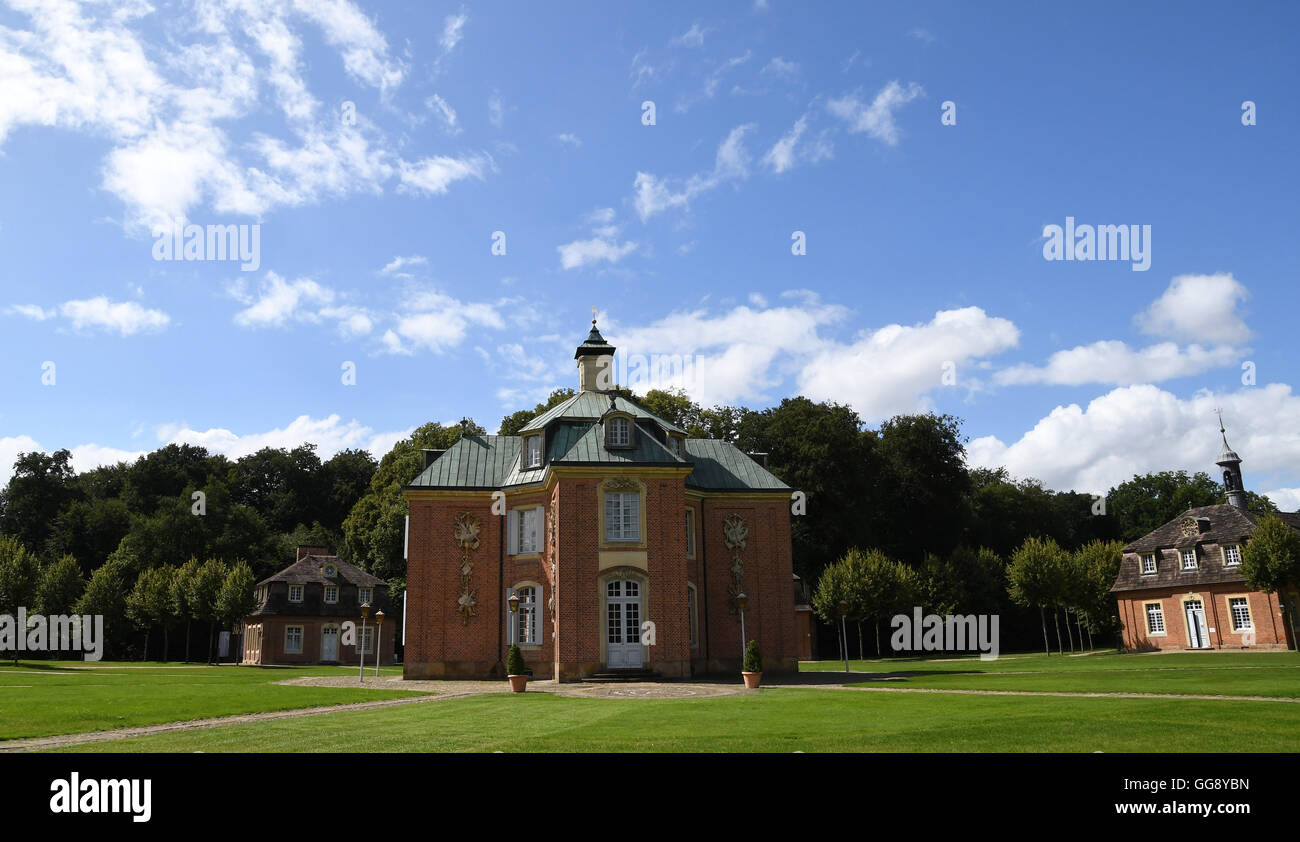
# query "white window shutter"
(538, 517)
(512, 531)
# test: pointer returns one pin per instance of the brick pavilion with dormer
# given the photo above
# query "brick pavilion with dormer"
(626, 543)
(302, 612)
(1181, 586)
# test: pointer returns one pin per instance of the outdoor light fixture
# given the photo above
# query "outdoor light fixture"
(361, 670)
(844, 633)
(514, 609)
(741, 601)
(379, 630)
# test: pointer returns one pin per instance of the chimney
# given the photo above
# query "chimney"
(303, 552)
(760, 458)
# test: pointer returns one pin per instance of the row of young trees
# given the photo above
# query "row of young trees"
(870, 587)
(161, 599)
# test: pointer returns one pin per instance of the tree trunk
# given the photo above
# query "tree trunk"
(1069, 634)
(1056, 620)
(144, 656)
(839, 641)
(1047, 647)
(1078, 621)
(861, 655)
(212, 642)
(878, 637)
(188, 623)
(166, 636)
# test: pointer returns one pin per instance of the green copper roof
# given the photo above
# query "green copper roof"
(472, 462)
(721, 466)
(594, 344)
(492, 462)
(591, 406)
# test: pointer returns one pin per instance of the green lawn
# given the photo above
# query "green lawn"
(1214, 673)
(41, 698)
(780, 720)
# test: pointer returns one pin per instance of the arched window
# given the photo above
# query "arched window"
(526, 625)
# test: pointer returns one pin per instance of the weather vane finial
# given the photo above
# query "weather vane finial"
(593, 316)
(1219, 412)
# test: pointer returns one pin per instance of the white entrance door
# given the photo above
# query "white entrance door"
(623, 625)
(329, 643)
(1197, 633)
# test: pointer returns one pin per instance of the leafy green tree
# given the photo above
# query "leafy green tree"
(675, 406)
(61, 583)
(373, 532)
(105, 595)
(1093, 568)
(924, 473)
(833, 598)
(236, 601)
(1152, 500)
(182, 608)
(149, 604)
(1270, 561)
(201, 596)
(90, 529)
(40, 487)
(1034, 578)
(19, 579)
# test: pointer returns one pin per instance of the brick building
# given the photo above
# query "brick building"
(302, 612)
(1181, 586)
(626, 542)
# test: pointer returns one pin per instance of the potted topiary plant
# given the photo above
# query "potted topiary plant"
(515, 669)
(752, 669)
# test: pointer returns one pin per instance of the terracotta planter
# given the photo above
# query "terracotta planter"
(518, 683)
(752, 679)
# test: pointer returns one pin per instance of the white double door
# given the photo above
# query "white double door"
(1197, 634)
(623, 648)
(329, 643)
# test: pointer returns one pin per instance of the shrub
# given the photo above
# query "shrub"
(753, 658)
(515, 661)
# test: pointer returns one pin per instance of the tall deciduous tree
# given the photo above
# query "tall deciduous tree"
(105, 595)
(203, 590)
(1270, 561)
(182, 608)
(1034, 578)
(19, 578)
(236, 601)
(60, 585)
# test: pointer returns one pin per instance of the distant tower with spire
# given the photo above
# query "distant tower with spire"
(595, 359)
(1230, 462)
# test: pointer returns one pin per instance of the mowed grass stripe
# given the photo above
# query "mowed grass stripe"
(69, 699)
(768, 721)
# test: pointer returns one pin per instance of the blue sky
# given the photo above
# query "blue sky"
(378, 147)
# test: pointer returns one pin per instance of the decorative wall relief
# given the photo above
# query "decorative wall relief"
(622, 484)
(734, 534)
(464, 532)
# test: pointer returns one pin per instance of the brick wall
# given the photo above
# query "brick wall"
(1270, 624)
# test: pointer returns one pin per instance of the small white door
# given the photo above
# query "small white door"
(623, 625)
(329, 643)
(1197, 633)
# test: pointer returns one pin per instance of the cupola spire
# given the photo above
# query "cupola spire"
(1230, 462)
(595, 359)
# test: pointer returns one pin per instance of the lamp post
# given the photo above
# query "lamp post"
(514, 611)
(361, 671)
(741, 601)
(844, 633)
(379, 631)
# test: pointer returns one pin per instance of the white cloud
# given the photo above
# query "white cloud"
(712, 81)
(569, 139)
(891, 370)
(1114, 362)
(654, 195)
(279, 301)
(584, 252)
(329, 434)
(437, 322)
(693, 37)
(876, 119)
(127, 317)
(921, 34)
(496, 110)
(791, 148)
(780, 67)
(434, 175)
(10, 447)
(453, 29)
(32, 311)
(397, 264)
(445, 111)
(1198, 308)
(1137, 429)
(365, 51)
(1286, 499)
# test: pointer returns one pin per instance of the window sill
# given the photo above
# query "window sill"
(526, 556)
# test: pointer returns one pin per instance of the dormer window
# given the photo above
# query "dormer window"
(618, 432)
(1148, 564)
(533, 451)
(1189, 558)
(1231, 555)
(675, 445)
